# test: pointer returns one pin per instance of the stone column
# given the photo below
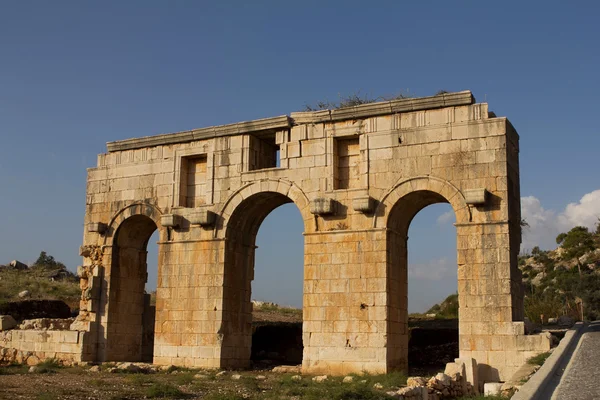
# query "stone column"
(345, 302)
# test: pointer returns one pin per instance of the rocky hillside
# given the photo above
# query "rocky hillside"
(560, 282)
(447, 309)
(564, 281)
(46, 279)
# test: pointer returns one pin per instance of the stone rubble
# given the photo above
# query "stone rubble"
(448, 385)
(47, 324)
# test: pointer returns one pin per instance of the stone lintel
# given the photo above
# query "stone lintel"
(317, 233)
(473, 223)
(257, 125)
(271, 125)
(385, 107)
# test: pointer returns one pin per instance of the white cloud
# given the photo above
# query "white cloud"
(545, 225)
(434, 270)
(446, 217)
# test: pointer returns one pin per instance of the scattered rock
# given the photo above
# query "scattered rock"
(33, 360)
(95, 368)
(33, 369)
(236, 377)
(50, 324)
(167, 368)
(24, 294)
(200, 376)
(378, 386)
(220, 373)
(296, 378)
(7, 322)
(492, 388)
(129, 367)
(260, 377)
(15, 264)
(348, 379)
(362, 381)
(289, 369)
(320, 378)
(416, 381)
(443, 379)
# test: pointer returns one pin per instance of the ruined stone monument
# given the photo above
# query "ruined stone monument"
(358, 176)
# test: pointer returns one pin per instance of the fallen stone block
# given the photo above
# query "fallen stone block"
(7, 322)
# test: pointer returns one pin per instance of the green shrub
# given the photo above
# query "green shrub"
(164, 390)
(540, 359)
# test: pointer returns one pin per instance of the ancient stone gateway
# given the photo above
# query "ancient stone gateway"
(358, 176)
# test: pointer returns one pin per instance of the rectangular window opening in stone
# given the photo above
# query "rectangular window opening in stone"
(347, 169)
(193, 181)
(264, 152)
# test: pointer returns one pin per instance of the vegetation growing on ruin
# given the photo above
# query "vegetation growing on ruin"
(352, 100)
(540, 359)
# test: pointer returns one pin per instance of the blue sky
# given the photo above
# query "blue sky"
(74, 75)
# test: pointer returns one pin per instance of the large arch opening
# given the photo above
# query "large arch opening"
(432, 290)
(131, 314)
(240, 262)
(406, 336)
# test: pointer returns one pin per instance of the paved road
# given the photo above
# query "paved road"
(581, 379)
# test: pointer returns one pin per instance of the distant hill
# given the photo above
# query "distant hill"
(447, 309)
(47, 279)
(560, 282)
(566, 280)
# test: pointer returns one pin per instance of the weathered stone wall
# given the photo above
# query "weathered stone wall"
(33, 346)
(358, 176)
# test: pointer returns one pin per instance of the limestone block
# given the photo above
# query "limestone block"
(322, 206)
(7, 322)
(98, 227)
(471, 371)
(170, 220)
(475, 196)
(364, 204)
(492, 388)
(202, 217)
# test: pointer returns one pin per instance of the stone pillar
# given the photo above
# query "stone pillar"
(488, 294)
(345, 302)
(397, 272)
(189, 304)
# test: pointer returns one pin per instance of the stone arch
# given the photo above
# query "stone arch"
(138, 208)
(238, 225)
(395, 213)
(436, 190)
(268, 189)
(126, 328)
